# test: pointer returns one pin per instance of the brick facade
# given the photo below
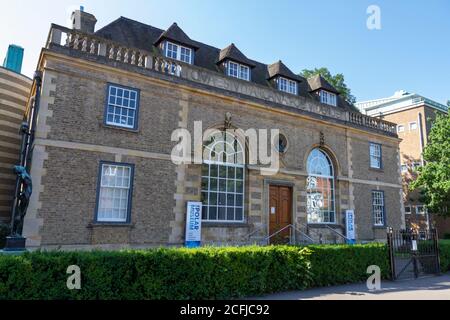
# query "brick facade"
(73, 140)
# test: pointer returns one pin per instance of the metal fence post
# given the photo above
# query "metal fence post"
(436, 244)
(390, 245)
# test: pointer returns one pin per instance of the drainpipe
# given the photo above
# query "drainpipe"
(27, 143)
(33, 124)
(422, 162)
(422, 141)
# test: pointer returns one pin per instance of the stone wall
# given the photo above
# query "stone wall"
(72, 140)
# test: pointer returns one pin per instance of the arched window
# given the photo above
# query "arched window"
(320, 188)
(223, 179)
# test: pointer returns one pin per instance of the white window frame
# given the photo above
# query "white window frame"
(328, 98)
(375, 153)
(239, 70)
(378, 208)
(400, 128)
(120, 104)
(421, 210)
(287, 85)
(410, 210)
(320, 178)
(117, 190)
(235, 160)
(411, 125)
(177, 49)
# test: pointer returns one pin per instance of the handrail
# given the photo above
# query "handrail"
(293, 228)
(255, 231)
(278, 232)
(338, 233)
(304, 234)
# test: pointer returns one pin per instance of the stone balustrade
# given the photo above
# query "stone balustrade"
(371, 122)
(92, 45)
(111, 50)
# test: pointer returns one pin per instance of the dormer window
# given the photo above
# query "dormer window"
(178, 52)
(237, 70)
(328, 98)
(287, 85)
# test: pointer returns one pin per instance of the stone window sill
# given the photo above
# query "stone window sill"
(107, 126)
(325, 225)
(376, 170)
(95, 225)
(224, 225)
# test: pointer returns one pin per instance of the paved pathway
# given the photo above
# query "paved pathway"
(429, 288)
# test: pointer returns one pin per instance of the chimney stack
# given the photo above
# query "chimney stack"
(14, 58)
(83, 21)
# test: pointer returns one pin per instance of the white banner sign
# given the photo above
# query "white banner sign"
(350, 225)
(194, 225)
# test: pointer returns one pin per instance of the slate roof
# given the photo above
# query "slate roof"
(233, 53)
(318, 82)
(142, 36)
(280, 69)
(174, 33)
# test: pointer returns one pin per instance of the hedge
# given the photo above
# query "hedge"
(333, 265)
(182, 274)
(444, 250)
(178, 274)
(4, 232)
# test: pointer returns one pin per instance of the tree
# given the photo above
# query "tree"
(337, 81)
(434, 177)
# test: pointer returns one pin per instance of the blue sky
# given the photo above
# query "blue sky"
(410, 52)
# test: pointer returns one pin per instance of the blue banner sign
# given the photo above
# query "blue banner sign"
(350, 226)
(194, 225)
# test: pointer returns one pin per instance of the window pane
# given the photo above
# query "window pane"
(212, 213)
(224, 192)
(121, 111)
(222, 199)
(222, 185)
(214, 170)
(222, 172)
(213, 199)
(114, 193)
(320, 188)
(239, 214)
(213, 184)
(231, 185)
(230, 200)
(230, 214)
(222, 214)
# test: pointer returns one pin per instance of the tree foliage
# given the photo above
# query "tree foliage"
(434, 177)
(337, 81)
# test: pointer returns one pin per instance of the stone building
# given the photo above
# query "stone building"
(14, 94)
(414, 116)
(111, 102)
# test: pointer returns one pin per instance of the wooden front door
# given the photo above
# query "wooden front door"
(280, 213)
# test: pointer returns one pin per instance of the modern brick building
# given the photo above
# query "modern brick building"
(414, 116)
(14, 94)
(111, 101)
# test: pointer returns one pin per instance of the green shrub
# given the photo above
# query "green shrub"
(181, 274)
(207, 273)
(4, 232)
(333, 265)
(447, 236)
(444, 250)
